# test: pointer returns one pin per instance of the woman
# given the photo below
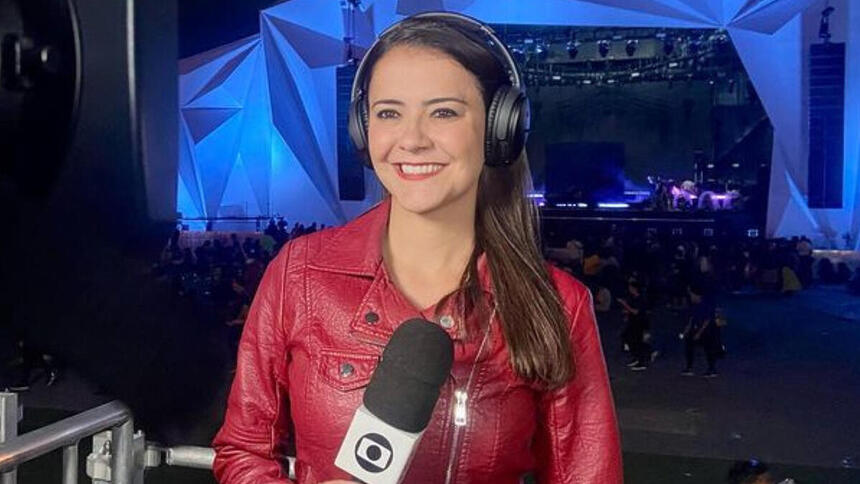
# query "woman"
(454, 243)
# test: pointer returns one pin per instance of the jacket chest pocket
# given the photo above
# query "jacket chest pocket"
(346, 370)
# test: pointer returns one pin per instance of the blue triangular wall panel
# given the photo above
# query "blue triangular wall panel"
(293, 117)
(188, 173)
(238, 192)
(215, 156)
(301, 191)
(256, 138)
(202, 121)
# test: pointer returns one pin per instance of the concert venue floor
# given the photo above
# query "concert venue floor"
(787, 394)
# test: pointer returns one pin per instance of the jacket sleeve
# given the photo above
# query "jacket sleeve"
(249, 446)
(577, 438)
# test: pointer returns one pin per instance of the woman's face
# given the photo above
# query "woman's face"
(426, 130)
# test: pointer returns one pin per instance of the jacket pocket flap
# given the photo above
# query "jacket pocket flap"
(346, 370)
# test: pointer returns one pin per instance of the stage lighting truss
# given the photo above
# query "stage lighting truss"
(566, 56)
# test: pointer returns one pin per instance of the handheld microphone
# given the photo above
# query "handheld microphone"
(398, 403)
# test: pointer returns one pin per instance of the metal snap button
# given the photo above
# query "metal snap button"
(446, 322)
(371, 318)
(346, 370)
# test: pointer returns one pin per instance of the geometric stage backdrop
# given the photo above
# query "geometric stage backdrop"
(258, 132)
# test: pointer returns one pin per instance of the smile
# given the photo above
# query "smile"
(418, 172)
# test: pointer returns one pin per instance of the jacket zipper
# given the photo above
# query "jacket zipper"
(460, 421)
(461, 405)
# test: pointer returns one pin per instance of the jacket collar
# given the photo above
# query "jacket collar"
(356, 248)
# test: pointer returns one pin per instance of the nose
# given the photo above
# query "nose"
(413, 137)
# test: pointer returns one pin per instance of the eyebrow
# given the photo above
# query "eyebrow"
(428, 102)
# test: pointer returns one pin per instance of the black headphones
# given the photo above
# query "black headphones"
(507, 114)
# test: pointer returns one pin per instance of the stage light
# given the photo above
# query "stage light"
(710, 166)
(613, 205)
(631, 46)
(736, 165)
(603, 47)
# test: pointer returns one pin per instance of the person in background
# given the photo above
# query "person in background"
(804, 254)
(31, 359)
(636, 334)
(701, 329)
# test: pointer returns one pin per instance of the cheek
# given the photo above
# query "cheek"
(379, 143)
(466, 144)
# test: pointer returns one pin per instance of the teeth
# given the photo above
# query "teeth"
(420, 169)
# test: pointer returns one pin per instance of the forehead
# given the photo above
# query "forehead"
(416, 72)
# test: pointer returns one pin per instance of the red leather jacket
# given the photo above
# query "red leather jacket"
(318, 324)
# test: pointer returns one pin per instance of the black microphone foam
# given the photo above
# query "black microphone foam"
(405, 386)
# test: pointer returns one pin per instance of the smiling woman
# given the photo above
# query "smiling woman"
(430, 133)
(439, 110)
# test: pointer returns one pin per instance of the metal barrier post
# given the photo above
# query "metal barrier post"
(8, 429)
(122, 453)
(70, 464)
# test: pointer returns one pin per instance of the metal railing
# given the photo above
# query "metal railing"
(119, 455)
(66, 434)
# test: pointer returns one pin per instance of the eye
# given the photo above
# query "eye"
(444, 113)
(387, 114)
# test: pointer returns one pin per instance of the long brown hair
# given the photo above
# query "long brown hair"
(506, 223)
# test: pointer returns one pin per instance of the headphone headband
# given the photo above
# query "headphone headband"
(492, 40)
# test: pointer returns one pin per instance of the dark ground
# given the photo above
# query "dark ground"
(787, 394)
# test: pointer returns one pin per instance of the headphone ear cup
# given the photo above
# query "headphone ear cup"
(490, 145)
(507, 124)
(357, 126)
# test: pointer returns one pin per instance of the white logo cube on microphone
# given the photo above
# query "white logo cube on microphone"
(374, 451)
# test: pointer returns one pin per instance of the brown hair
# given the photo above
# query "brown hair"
(506, 224)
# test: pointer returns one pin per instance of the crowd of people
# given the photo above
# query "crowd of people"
(632, 273)
(637, 273)
(223, 274)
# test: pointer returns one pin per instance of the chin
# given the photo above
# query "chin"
(418, 205)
